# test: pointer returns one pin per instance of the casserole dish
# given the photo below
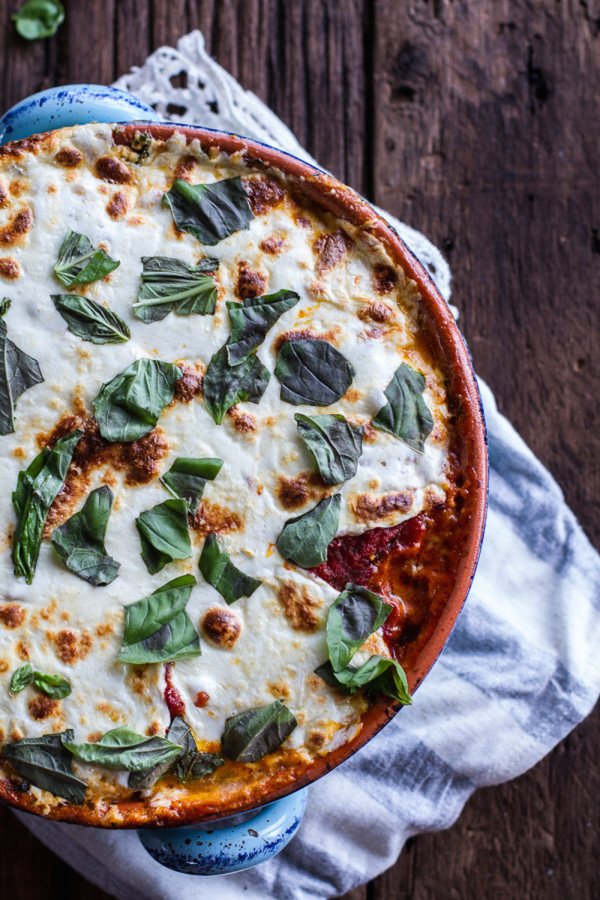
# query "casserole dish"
(420, 540)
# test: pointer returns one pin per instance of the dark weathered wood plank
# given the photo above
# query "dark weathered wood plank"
(133, 38)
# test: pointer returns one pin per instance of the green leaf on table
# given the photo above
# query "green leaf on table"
(54, 686)
(211, 212)
(80, 540)
(18, 373)
(169, 284)
(21, 678)
(157, 628)
(251, 319)
(90, 320)
(129, 405)
(255, 733)
(36, 491)
(305, 539)
(379, 675)
(44, 762)
(79, 262)
(220, 572)
(39, 19)
(164, 534)
(353, 617)
(191, 764)
(187, 477)
(335, 444)
(225, 385)
(406, 415)
(123, 748)
(312, 371)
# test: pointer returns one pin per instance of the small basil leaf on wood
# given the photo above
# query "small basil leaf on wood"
(187, 476)
(129, 405)
(225, 385)
(18, 373)
(38, 19)
(79, 262)
(379, 675)
(252, 734)
(353, 617)
(335, 444)
(312, 371)
(54, 686)
(80, 540)
(36, 491)
(157, 628)
(45, 763)
(21, 678)
(123, 748)
(251, 319)
(406, 415)
(164, 534)
(305, 539)
(169, 284)
(219, 571)
(210, 212)
(90, 320)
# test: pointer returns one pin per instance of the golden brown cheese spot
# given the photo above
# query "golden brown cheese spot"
(279, 689)
(375, 312)
(104, 628)
(117, 207)
(249, 283)
(317, 738)
(42, 707)
(273, 245)
(68, 157)
(71, 647)
(3, 193)
(94, 736)
(384, 279)
(216, 518)
(152, 729)
(185, 167)
(113, 714)
(189, 385)
(330, 248)
(222, 627)
(110, 169)
(295, 492)
(300, 609)
(136, 681)
(141, 458)
(243, 422)
(264, 194)
(17, 228)
(12, 615)
(370, 435)
(367, 508)
(19, 186)
(9, 268)
(22, 650)
(4, 666)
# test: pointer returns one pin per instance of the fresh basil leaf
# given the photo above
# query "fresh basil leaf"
(210, 212)
(54, 686)
(21, 678)
(129, 406)
(354, 615)
(187, 476)
(252, 734)
(45, 763)
(312, 371)
(379, 675)
(169, 284)
(80, 540)
(305, 539)
(90, 320)
(36, 491)
(225, 385)
(251, 319)
(123, 748)
(335, 443)
(80, 263)
(157, 628)
(191, 764)
(18, 373)
(164, 534)
(216, 567)
(406, 414)
(39, 19)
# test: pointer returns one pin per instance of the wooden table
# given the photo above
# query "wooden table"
(477, 122)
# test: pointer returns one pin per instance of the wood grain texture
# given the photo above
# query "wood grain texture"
(479, 124)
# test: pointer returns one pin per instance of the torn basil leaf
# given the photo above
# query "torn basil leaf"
(379, 675)
(219, 571)
(18, 373)
(44, 762)
(353, 617)
(335, 444)
(21, 678)
(36, 491)
(80, 540)
(210, 212)
(38, 19)
(191, 764)
(129, 406)
(252, 734)
(157, 628)
(164, 534)
(79, 262)
(312, 371)
(406, 415)
(225, 385)
(54, 686)
(123, 748)
(305, 539)
(169, 284)
(187, 476)
(90, 320)
(251, 319)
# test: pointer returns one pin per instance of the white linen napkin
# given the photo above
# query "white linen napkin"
(520, 670)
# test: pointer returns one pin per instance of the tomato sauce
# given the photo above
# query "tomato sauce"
(173, 698)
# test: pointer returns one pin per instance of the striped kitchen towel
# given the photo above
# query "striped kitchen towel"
(520, 670)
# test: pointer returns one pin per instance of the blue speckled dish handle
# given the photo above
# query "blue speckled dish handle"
(72, 104)
(228, 845)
